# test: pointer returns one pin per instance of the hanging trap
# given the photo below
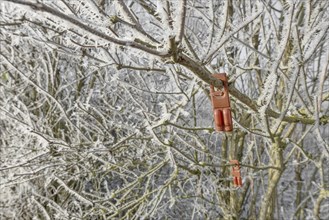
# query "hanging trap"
(237, 180)
(221, 105)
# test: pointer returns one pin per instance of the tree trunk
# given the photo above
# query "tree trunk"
(276, 160)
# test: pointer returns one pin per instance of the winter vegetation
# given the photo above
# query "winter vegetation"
(105, 110)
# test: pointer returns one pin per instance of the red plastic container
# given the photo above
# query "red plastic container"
(237, 180)
(221, 105)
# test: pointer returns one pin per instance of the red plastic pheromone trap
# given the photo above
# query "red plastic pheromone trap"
(221, 105)
(237, 180)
